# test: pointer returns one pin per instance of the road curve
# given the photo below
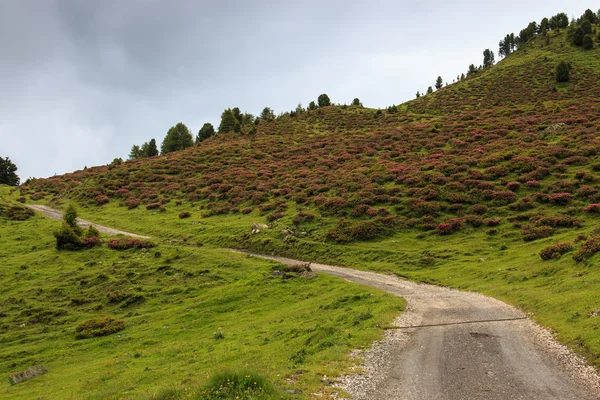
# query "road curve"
(58, 215)
(452, 345)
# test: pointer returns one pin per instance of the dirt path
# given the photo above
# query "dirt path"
(57, 214)
(459, 345)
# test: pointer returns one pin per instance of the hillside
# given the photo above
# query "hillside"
(463, 187)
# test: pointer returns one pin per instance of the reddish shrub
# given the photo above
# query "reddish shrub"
(129, 243)
(101, 199)
(555, 251)
(185, 214)
(588, 249)
(132, 203)
(513, 186)
(592, 208)
(561, 199)
(449, 227)
(492, 222)
(153, 206)
(530, 233)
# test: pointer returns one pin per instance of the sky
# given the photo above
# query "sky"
(82, 81)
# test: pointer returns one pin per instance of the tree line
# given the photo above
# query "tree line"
(580, 32)
(180, 137)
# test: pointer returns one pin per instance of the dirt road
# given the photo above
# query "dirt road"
(452, 345)
(57, 214)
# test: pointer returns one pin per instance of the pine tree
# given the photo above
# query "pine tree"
(356, 102)
(588, 42)
(151, 150)
(429, 90)
(8, 172)
(205, 132)
(267, 114)
(439, 83)
(562, 72)
(488, 58)
(312, 106)
(178, 138)
(228, 121)
(323, 100)
(135, 152)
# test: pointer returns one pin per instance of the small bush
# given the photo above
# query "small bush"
(129, 243)
(587, 249)
(449, 227)
(19, 213)
(185, 214)
(92, 232)
(132, 203)
(153, 206)
(303, 217)
(101, 200)
(561, 199)
(531, 233)
(98, 327)
(68, 238)
(493, 222)
(91, 241)
(29, 373)
(562, 72)
(592, 208)
(555, 251)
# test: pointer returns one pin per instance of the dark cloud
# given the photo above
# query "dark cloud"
(83, 80)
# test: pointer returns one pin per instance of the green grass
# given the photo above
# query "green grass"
(191, 313)
(559, 294)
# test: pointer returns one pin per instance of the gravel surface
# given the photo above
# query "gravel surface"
(57, 214)
(451, 345)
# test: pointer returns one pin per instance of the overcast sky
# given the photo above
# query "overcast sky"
(82, 81)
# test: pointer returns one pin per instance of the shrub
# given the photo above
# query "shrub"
(153, 206)
(98, 327)
(555, 251)
(449, 227)
(68, 238)
(101, 200)
(92, 232)
(493, 222)
(561, 199)
(185, 214)
(19, 213)
(513, 186)
(474, 220)
(29, 373)
(132, 203)
(274, 216)
(303, 217)
(246, 210)
(562, 72)
(478, 209)
(531, 233)
(129, 243)
(588, 42)
(592, 208)
(91, 241)
(588, 249)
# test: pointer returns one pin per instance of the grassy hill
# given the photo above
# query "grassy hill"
(463, 187)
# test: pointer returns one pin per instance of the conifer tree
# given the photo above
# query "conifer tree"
(439, 82)
(8, 172)
(205, 132)
(178, 138)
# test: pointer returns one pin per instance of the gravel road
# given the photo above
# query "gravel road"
(57, 214)
(452, 345)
